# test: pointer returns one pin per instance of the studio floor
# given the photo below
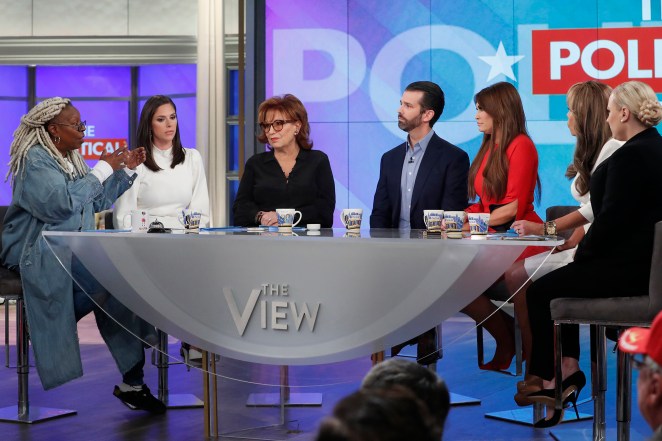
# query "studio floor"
(101, 417)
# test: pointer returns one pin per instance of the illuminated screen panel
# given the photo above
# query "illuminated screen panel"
(107, 127)
(166, 79)
(13, 105)
(310, 61)
(349, 61)
(83, 81)
(233, 92)
(11, 112)
(233, 147)
(13, 81)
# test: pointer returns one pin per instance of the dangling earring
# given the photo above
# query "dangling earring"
(57, 140)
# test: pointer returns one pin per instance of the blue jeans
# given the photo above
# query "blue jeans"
(120, 342)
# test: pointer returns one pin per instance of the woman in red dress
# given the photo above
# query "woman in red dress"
(504, 178)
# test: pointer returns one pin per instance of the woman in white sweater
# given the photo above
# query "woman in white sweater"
(172, 178)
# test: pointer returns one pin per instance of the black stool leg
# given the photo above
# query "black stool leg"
(561, 434)
(23, 413)
(599, 383)
(172, 401)
(623, 396)
(6, 333)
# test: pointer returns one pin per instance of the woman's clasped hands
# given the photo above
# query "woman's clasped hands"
(123, 157)
(269, 218)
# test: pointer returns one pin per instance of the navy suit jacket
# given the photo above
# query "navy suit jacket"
(441, 183)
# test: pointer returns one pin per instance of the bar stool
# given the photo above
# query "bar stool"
(617, 311)
(10, 286)
(8, 298)
(12, 289)
(172, 401)
(498, 292)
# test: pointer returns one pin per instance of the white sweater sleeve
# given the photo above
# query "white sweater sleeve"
(128, 201)
(200, 198)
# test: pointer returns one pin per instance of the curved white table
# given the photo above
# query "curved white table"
(290, 299)
(282, 299)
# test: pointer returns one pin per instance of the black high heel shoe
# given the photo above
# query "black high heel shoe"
(551, 422)
(571, 387)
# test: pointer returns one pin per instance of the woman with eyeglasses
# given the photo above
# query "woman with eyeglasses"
(172, 178)
(290, 174)
(53, 189)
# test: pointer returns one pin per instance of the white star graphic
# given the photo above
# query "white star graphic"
(500, 63)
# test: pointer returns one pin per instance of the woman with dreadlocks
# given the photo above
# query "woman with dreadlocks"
(54, 190)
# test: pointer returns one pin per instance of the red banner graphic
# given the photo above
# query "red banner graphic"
(93, 147)
(563, 57)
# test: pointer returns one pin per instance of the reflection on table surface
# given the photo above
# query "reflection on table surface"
(271, 297)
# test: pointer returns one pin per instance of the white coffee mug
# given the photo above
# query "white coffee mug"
(432, 220)
(286, 218)
(454, 220)
(479, 222)
(190, 218)
(137, 220)
(351, 218)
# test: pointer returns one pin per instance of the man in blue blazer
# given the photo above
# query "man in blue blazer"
(423, 173)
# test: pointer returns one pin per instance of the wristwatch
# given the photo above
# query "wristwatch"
(550, 228)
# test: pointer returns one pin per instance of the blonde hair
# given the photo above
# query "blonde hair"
(32, 131)
(640, 99)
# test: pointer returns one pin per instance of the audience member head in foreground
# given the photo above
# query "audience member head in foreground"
(648, 343)
(390, 414)
(425, 384)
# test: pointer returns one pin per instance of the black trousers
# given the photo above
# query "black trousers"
(595, 278)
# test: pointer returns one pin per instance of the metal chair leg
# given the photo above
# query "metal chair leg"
(519, 356)
(6, 333)
(558, 375)
(599, 383)
(623, 396)
(172, 401)
(558, 402)
(23, 412)
(480, 348)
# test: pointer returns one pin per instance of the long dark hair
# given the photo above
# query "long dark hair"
(588, 103)
(144, 136)
(502, 102)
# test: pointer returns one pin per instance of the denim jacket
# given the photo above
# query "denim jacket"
(47, 199)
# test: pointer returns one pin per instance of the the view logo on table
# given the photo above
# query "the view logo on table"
(277, 311)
